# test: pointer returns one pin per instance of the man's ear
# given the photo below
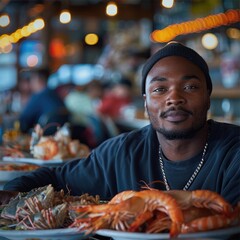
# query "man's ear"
(145, 106)
(144, 99)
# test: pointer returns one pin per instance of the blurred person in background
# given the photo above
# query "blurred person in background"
(24, 88)
(117, 96)
(95, 91)
(82, 102)
(13, 100)
(43, 101)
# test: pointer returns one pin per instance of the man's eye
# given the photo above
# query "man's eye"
(160, 89)
(190, 87)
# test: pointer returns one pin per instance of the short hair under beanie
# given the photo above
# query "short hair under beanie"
(176, 49)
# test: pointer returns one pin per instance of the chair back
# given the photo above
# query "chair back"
(102, 128)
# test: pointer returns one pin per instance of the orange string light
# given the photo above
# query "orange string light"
(197, 25)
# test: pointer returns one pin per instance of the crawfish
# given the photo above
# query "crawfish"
(111, 215)
(46, 148)
(201, 199)
(122, 196)
(212, 221)
(160, 222)
(57, 146)
(135, 209)
(154, 200)
(203, 210)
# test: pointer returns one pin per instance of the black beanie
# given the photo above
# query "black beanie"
(176, 49)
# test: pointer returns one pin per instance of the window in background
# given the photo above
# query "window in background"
(8, 72)
(84, 73)
(65, 74)
(8, 77)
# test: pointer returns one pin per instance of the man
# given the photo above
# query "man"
(179, 150)
(43, 103)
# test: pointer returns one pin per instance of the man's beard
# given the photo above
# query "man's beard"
(178, 134)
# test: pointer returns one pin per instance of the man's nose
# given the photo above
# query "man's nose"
(175, 97)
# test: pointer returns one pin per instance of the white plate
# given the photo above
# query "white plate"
(40, 162)
(55, 234)
(213, 235)
(6, 176)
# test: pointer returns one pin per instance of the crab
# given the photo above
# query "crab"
(41, 208)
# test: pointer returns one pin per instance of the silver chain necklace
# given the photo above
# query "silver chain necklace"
(190, 181)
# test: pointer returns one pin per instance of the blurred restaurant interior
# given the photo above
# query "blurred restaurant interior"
(89, 43)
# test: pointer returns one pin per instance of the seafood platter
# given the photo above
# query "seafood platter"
(42, 213)
(45, 150)
(45, 213)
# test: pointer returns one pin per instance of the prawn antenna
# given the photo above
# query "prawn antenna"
(148, 185)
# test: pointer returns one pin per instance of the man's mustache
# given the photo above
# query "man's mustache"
(174, 109)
